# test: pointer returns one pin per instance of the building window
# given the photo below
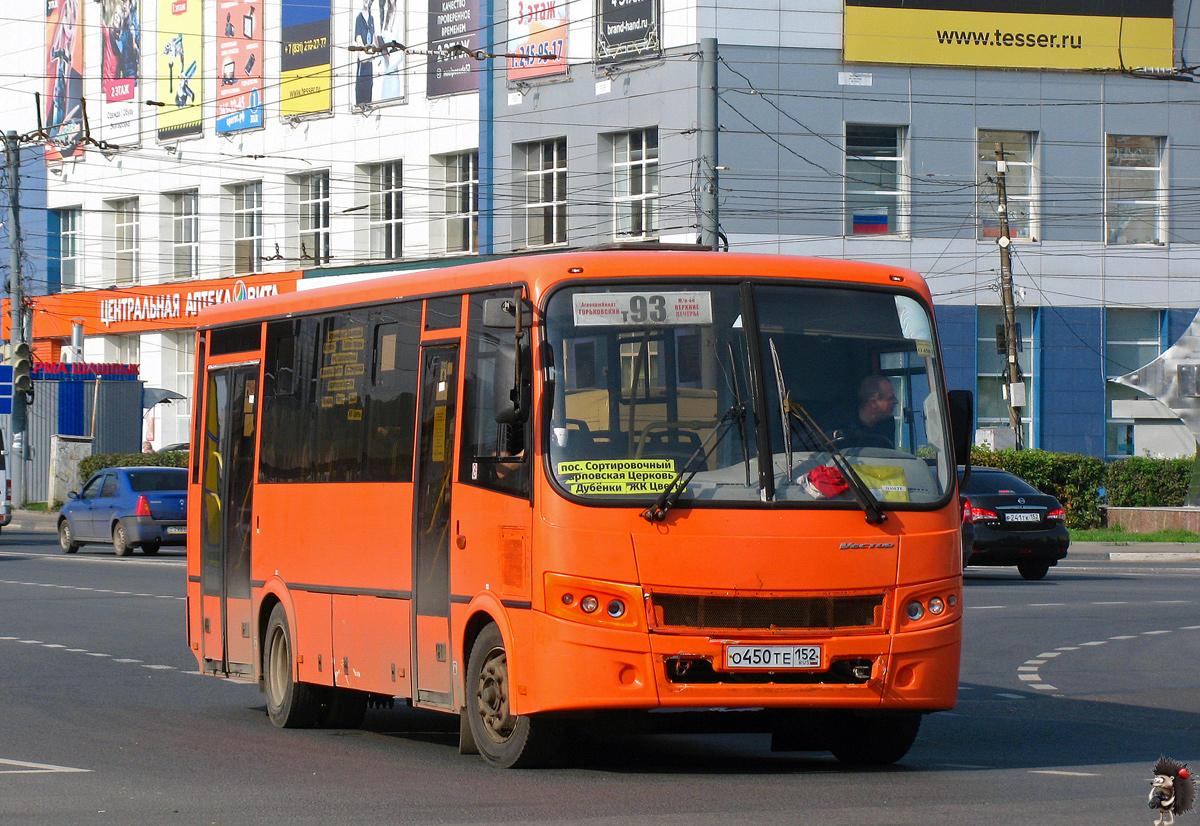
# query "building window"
(247, 227)
(875, 180)
(991, 401)
(70, 233)
(1020, 184)
(185, 234)
(1132, 339)
(545, 192)
(461, 201)
(312, 197)
(126, 239)
(386, 209)
(1135, 202)
(635, 184)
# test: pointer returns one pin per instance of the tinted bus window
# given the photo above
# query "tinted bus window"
(236, 339)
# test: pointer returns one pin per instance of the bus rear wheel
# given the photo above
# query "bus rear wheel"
(290, 703)
(504, 740)
(874, 739)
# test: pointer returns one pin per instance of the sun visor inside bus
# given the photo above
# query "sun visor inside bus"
(501, 313)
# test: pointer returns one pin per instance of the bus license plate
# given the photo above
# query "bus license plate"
(772, 657)
(177, 529)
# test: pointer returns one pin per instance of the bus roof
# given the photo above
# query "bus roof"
(543, 271)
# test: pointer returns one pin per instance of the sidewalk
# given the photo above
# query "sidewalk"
(34, 521)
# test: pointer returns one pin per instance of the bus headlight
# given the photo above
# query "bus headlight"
(595, 602)
(589, 604)
(616, 608)
(936, 606)
(915, 610)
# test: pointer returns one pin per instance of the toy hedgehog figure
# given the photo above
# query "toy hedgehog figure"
(1172, 791)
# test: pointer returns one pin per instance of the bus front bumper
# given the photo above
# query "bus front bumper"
(584, 668)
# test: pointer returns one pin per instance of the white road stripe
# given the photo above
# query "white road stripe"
(1063, 773)
(21, 767)
(1043, 687)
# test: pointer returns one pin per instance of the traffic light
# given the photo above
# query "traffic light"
(23, 367)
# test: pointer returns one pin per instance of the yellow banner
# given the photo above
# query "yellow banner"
(1016, 41)
(304, 91)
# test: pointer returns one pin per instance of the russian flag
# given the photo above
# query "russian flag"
(870, 224)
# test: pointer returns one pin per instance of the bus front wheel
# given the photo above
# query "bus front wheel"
(290, 703)
(874, 739)
(504, 740)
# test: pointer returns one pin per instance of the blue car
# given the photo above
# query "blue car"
(143, 507)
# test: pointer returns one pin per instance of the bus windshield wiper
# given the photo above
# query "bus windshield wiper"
(791, 410)
(678, 484)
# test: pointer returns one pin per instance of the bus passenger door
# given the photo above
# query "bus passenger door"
(230, 430)
(431, 530)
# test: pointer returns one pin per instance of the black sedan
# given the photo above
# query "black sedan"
(1013, 523)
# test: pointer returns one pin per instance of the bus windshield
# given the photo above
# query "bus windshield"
(741, 393)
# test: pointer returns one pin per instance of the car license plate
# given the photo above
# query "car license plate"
(177, 529)
(772, 657)
(1022, 517)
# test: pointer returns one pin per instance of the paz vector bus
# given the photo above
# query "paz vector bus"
(537, 490)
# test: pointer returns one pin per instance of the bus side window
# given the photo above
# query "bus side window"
(391, 397)
(494, 454)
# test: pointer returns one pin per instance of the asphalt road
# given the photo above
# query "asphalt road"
(1071, 687)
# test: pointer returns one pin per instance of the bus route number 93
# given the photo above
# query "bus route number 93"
(772, 657)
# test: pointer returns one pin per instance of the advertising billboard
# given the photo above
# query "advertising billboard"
(306, 82)
(378, 71)
(1013, 34)
(180, 68)
(453, 26)
(120, 55)
(628, 30)
(239, 65)
(538, 32)
(62, 115)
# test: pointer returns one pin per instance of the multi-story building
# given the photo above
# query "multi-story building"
(253, 139)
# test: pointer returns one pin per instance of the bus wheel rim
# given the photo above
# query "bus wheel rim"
(492, 698)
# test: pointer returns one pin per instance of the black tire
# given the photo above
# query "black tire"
(504, 740)
(877, 739)
(66, 537)
(290, 704)
(150, 548)
(120, 540)
(1033, 570)
(343, 708)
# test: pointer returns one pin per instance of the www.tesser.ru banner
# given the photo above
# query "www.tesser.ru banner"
(1019, 34)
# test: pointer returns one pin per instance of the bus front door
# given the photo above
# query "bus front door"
(230, 422)
(431, 531)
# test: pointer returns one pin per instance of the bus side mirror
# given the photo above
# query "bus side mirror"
(962, 424)
(501, 313)
(511, 389)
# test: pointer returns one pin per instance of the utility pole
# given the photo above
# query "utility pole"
(16, 336)
(709, 223)
(1012, 369)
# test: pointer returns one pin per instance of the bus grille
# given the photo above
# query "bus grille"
(768, 613)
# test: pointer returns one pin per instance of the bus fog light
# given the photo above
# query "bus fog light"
(616, 608)
(589, 604)
(915, 610)
(936, 606)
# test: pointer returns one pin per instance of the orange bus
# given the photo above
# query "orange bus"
(608, 482)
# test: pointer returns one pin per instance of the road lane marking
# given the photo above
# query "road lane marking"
(1063, 773)
(21, 767)
(88, 590)
(1049, 654)
(1043, 687)
(1152, 633)
(1095, 642)
(170, 561)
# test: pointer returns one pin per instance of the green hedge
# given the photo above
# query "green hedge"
(91, 464)
(1140, 482)
(1077, 480)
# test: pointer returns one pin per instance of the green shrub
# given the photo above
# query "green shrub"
(1141, 482)
(91, 464)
